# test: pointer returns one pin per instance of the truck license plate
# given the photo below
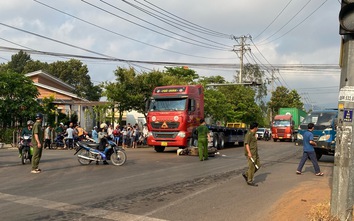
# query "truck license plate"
(164, 144)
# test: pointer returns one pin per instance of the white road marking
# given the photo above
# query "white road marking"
(65, 207)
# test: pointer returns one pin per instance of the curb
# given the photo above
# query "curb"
(6, 146)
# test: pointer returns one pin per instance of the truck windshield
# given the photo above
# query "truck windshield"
(281, 123)
(320, 119)
(168, 105)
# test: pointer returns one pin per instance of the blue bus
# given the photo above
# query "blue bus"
(325, 130)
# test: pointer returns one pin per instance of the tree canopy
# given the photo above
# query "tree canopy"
(72, 72)
(282, 97)
(18, 98)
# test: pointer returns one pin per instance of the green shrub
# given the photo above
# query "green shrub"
(6, 135)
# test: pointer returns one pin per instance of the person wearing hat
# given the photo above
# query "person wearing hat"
(37, 142)
(95, 134)
(27, 131)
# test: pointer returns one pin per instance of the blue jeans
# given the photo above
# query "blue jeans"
(312, 156)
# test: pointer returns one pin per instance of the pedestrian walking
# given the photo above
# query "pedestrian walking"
(37, 142)
(309, 151)
(251, 152)
(203, 138)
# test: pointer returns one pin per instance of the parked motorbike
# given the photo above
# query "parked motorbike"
(25, 147)
(88, 152)
(58, 141)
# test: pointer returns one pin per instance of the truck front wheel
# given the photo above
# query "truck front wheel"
(275, 139)
(159, 149)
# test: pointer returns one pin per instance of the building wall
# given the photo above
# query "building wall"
(50, 83)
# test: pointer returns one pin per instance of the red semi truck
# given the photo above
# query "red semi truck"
(174, 113)
(285, 125)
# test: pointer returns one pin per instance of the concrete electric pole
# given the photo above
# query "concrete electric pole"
(343, 172)
(240, 50)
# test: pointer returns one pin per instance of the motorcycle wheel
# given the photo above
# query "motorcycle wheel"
(118, 158)
(84, 153)
(24, 156)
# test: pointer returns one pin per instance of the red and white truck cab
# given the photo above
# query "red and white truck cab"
(173, 113)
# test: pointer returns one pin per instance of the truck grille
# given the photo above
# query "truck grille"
(164, 134)
(280, 131)
(165, 125)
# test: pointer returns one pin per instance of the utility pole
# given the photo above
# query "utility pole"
(240, 50)
(272, 79)
(342, 197)
(343, 171)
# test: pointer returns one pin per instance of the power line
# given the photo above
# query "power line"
(302, 21)
(189, 22)
(163, 20)
(276, 17)
(285, 23)
(209, 46)
(118, 34)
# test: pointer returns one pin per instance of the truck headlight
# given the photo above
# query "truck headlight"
(299, 137)
(181, 134)
(324, 137)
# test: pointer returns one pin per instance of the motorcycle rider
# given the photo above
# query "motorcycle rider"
(26, 131)
(266, 135)
(102, 139)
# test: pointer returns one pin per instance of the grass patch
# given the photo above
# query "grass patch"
(321, 212)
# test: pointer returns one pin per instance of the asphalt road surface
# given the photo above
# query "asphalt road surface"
(150, 186)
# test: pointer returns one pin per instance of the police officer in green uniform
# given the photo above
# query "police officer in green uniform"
(251, 152)
(203, 138)
(37, 142)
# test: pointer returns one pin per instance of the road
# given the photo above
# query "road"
(150, 186)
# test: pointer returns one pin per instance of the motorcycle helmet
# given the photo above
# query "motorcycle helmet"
(39, 116)
(30, 122)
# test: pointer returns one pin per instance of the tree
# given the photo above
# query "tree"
(18, 98)
(19, 61)
(183, 73)
(74, 73)
(122, 92)
(282, 97)
(243, 102)
(252, 73)
(32, 66)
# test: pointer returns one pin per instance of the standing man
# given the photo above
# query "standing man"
(309, 151)
(203, 138)
(47, 137)
(37, 142)
(251, 152)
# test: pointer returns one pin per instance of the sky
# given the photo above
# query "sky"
(295, 42)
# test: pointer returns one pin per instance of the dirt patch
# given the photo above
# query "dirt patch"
(296, 204)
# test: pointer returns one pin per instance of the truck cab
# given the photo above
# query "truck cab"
(173, 113)
(283, 128)
(325, 131)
